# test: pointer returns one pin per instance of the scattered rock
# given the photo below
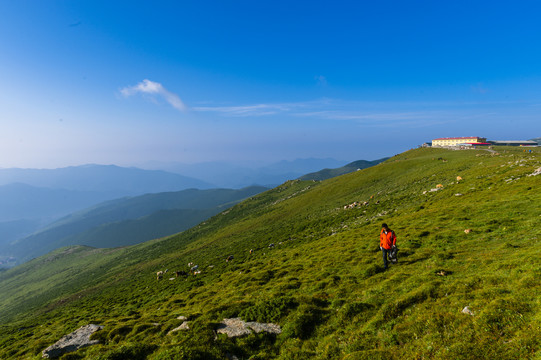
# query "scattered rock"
(72, 342)
(458, 178)
(236, 327)
(458, 194)
(467, 311)
(182, 317)
(183, 326)
(439, 186)
(536, 172)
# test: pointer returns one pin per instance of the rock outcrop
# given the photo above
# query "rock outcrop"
(236, 327)
(468, 311)
(72, 342)
(536, 172)
(183, 326)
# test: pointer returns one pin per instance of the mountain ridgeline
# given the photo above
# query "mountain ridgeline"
(304, 256)
(346, 169)
(115, 180)
(130, 221)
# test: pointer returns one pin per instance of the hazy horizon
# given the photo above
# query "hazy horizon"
(127, 83)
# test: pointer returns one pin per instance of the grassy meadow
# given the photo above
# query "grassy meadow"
(323, 280)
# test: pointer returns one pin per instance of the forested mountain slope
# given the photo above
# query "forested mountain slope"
(131, 220)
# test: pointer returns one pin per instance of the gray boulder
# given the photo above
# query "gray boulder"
(236, 327)
(72, 342)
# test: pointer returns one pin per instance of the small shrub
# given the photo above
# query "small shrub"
(71, 356)
(371, 270)
(353, 309)
(231, 310)
(118, 333)
(270, 310)
(378, 354)
(129, 352)
(100, 335)
(303, 322)
(182, 353)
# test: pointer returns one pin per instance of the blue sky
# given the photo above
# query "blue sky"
(127, 82)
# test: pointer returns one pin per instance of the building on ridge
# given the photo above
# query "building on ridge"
(454, 141)
(514, 142)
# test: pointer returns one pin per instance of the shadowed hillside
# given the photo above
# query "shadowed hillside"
(130, 221)
(315, 269)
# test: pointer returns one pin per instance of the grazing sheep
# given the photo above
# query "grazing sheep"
(194, 268)
(180, 273)
(229, 258)
(439, 186)
(159, 275)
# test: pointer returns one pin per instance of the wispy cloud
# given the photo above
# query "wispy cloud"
(368, 113)
(326, 109)
(149, 87)
(371, 116)
(246, 110)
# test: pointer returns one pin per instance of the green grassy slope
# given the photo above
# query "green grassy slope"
(323, 280)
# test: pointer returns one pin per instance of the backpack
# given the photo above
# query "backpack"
(393, 255)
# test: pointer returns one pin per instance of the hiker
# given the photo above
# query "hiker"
(387, 241)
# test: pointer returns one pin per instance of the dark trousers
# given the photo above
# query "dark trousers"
(385, 252)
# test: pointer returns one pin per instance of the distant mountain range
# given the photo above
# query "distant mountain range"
(228, 175)
(129, 221)
(110, 179)
(42, 209)
(22, 201)
(33, 198)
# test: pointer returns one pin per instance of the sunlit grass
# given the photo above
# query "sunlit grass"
(323, 280)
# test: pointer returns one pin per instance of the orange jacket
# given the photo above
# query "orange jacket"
(387, 241)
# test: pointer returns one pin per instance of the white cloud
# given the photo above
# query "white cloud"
(245, 110)
(261, 109)
(153, 88)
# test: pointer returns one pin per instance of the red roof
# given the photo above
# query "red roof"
(458, 138)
